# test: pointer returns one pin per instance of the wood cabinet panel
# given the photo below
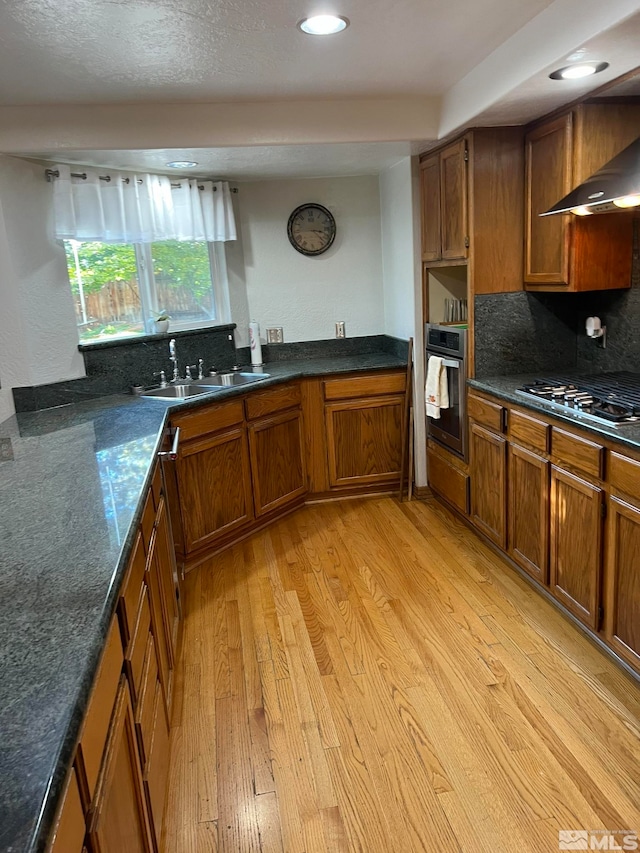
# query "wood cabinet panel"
(447, 480)
(96, 722)
(130, 595)
(70, 828)
(258, 404)
(549, 152)
(148, 519)
(211, 418)
(162, 641)
(134, 656)
(119, 822)
(622, 625)
(364, 440)
(488, 455)
(145, 708)
(215, 488)
(430, 193)
(157, 770)
(372, 385)
(453, 201)
(577, 452)
(277, 451)
(315, 435)
(168, 577)
(528, 430)
(528, 490)
(576, 544)
(485, 412)
(624, 474)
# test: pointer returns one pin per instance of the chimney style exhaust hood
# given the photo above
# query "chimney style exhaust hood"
(616, 186)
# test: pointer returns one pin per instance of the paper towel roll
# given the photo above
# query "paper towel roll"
(256, 346)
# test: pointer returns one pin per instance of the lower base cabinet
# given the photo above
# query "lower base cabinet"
(528, 511)
(119, 822)
(277, 450)
(576, 544)
(622, 627)
(488, 460)
(448, 478)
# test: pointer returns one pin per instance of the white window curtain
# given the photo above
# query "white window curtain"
(131, 208)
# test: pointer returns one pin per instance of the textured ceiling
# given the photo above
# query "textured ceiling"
(110, 51)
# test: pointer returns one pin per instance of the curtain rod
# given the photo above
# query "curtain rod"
(50, 174)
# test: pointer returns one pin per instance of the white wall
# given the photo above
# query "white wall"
(402, 281)
(306, 296)
(38, 338)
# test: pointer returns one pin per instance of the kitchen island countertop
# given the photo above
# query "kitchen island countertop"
(72, 481)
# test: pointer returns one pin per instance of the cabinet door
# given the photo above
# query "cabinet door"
(215, 487)
(70, 829)
(276, 445)
(548, 158)
(119, 821)
(168, 576)
(163, 644)
(453, 200)
(364, 439)
(623, 581)
(430, 201)
(576, 544)
(488, 455)
(529, 511)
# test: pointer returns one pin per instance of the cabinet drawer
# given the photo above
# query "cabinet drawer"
(130, 595)
(485, 412)
(69, 831)
(257, 405)
(371, 385)
(577, 452)
(209, 419)
(145, 709)
(624, 475)
(98, 717)
(448, 481)
(134, 657)
(530, 431)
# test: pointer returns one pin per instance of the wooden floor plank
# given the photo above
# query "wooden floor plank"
(369, 676)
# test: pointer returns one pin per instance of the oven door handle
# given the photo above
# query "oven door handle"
(449, 362)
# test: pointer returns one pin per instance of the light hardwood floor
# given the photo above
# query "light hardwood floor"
(368, 676)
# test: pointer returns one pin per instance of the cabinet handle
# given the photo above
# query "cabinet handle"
(173, 453)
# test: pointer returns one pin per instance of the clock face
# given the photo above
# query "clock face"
(311, 229)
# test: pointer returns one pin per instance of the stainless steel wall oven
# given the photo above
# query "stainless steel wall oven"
(450, 343)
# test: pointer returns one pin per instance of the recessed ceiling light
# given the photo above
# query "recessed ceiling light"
(575, 72)
(323, 25)
(182, 164)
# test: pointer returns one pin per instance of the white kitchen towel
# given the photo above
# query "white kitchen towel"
(436, 390)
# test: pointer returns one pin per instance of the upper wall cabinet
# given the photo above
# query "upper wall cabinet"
(444, 204)
(567, 252)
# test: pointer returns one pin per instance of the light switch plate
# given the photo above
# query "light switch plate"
(340, 330)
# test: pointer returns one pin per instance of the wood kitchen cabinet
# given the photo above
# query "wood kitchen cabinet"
(576, 544)
(276, 445)
(567, 252)
(528, 511)
(622, 617)
(119, 821)
(488, 467)
(444, 204)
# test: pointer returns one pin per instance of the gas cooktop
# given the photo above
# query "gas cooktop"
(608, 398)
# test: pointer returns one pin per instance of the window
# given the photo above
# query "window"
(119, 289)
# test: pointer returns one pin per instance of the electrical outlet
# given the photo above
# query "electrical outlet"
(275, 335)
(340, 330)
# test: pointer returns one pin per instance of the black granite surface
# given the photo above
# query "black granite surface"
(71, 486)
(333, 347)
(505, 387)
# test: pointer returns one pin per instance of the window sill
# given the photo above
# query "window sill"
(141, 339)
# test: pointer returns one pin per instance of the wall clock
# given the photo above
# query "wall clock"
(311, 229)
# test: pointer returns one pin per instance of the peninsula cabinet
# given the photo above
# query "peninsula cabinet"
(566, 252)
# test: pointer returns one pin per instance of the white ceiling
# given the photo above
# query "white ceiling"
(126, 83)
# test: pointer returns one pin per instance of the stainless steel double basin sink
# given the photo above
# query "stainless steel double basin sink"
(209, 384)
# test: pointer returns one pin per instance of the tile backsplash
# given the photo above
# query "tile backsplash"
(531, 332)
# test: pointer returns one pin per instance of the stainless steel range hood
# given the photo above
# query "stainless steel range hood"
(616, 186)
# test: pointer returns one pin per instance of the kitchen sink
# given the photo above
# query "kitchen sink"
(181, 392)
(228, 380)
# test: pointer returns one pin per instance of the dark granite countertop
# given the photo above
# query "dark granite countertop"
(504, 387)
(71, 486)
